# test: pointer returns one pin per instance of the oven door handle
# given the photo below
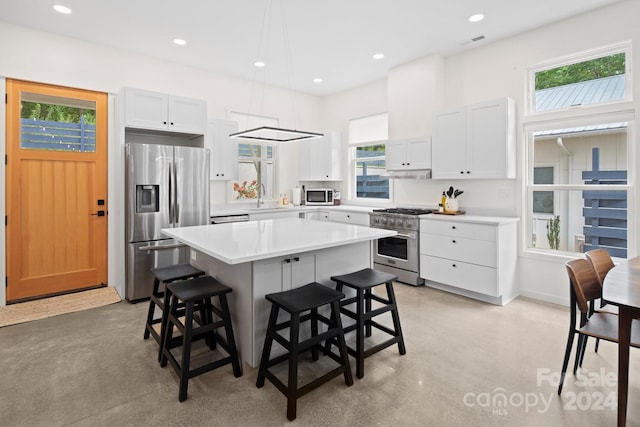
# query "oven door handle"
(406, 236)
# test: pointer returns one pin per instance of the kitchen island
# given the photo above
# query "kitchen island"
(257, 258)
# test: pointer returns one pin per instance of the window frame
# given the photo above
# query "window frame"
(610, 112)
(353, 161)
(353, 174)
(248, 121)
(574, 58)
(578, 118)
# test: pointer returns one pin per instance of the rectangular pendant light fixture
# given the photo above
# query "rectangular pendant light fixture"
(271, 134)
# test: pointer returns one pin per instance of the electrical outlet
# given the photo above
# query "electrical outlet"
(504, 194)
(193, 255)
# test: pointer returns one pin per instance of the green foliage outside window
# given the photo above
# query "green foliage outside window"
(56, 113)
(598, 68)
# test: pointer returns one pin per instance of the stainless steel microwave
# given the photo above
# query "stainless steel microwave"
(318, 196)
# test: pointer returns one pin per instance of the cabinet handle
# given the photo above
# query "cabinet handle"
(453, 265)
(296, 259)
(164, 123)
(462, 172)
(171, 123)
(287, 261)
(453, 241)
(468, 172)
(453, 227)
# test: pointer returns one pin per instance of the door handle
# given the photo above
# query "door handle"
(99, 213)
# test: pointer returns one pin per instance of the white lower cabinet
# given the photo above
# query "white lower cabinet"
(317, 215)
(475, 256)
(274, 214)
(356, 218)
(278, 275)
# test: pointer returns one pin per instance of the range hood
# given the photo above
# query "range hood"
(412, 174)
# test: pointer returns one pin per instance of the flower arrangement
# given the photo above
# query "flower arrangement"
(246, 191)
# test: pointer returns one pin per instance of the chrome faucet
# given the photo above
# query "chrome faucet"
(261, 193)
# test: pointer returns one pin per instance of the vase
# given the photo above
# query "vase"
(451, 205)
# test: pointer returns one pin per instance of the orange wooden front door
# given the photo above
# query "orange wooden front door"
(56, 186)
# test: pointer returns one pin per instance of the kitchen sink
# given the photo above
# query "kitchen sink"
(266, 208)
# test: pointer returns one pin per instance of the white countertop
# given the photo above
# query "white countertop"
(252, 209)
(472, 218)
(239, 242)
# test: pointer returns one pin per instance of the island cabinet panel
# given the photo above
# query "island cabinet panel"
(278, 275)
(476, 258)
(284, 273)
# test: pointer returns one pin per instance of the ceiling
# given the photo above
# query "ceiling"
(330, 39)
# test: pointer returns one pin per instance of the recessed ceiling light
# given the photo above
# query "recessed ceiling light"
(476, 18)
(61, 9)
(259, 64)
(378, 55)
(317, 80)
(180, 42)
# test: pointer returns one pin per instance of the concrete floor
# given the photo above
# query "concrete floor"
(93, 368)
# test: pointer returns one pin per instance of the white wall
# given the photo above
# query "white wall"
(487, 72)
(42, 57)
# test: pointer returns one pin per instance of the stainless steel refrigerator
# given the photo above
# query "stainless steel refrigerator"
(166, 186)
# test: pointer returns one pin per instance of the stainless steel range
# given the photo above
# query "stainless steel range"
(400, 254)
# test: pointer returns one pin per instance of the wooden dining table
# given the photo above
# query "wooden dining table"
(622, 288)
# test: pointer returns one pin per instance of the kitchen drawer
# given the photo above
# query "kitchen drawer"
(459, 229)
(356, 218)
(462, 275)
(481, 252)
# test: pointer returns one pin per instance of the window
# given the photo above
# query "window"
(256, 162)
(367, 158)
(597, 77)
(57, 124)
(576, 184)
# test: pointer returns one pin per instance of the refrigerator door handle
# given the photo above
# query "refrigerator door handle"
(176, 207)
(161, 247)
(170, 187)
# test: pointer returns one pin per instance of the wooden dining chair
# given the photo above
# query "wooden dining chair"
(584, 289)
(601, 262)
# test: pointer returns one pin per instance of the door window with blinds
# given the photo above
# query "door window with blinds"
(57, 124)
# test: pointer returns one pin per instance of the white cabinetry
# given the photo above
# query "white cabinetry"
(356, 218)
(409, 154)
(273, 214)
(224, 150)
(317, 216)
(319, 159)
(475, 142)
(278, 275)
(477, 255)
(158, 111)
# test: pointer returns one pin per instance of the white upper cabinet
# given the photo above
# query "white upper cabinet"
(409, 154)
(158, 111)
(319, 159)
(475, 142)
(224, 150)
